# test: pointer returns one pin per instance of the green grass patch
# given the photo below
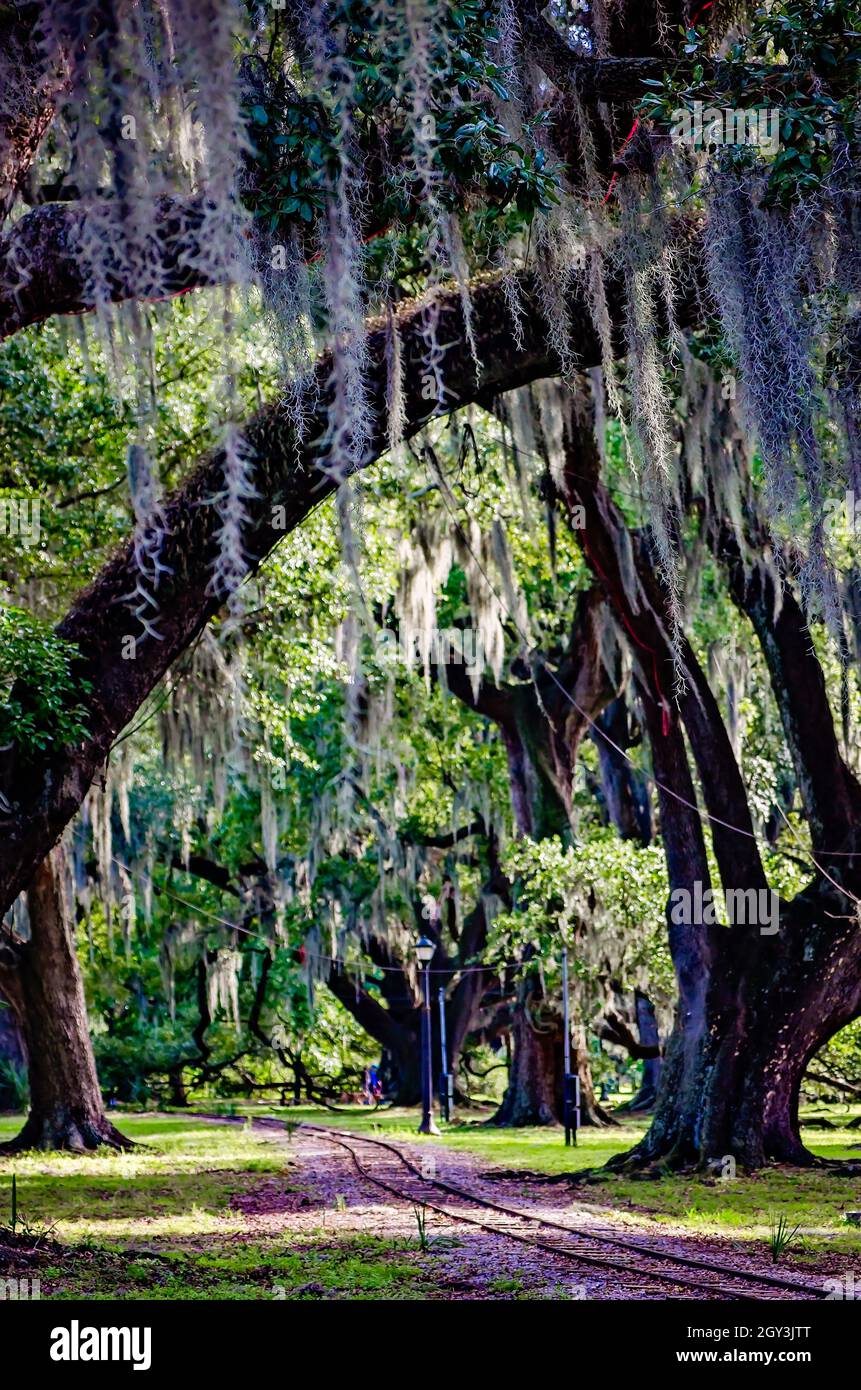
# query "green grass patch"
(161, 1222)
(179, 1182)
(352, 1267)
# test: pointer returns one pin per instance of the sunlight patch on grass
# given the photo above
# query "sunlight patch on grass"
(180, 1181)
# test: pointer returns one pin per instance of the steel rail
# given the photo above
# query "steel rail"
(345, 1138)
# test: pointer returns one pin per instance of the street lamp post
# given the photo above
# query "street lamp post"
(570, 1081)
(446, 1088)
(424, 951)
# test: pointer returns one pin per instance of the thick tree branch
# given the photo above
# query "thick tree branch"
(542, 728)
(290, 479)
(368, 1013)
(693, 948)
(613, 1029)
(495, 702)
(43, 272)
(201, 867)
(622, 78)
(447, 839)
(821, 1080)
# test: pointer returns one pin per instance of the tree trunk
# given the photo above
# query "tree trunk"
(591, 1111)
(177, 1092)
(625, 792)
(66, 1110)
(400, 1071)
(732, 1077)
(647, 1029)
(534, 1092)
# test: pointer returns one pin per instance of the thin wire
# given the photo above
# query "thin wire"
(161, 701)
(397, 970)
(831, 880)
(194, 907)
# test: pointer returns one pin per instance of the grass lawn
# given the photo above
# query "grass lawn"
(164, 1222)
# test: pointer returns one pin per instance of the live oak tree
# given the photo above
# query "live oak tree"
(45, 990)
(552, 169)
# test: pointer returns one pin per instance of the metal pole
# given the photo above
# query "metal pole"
(570, 1084)
(444, 1096)
(427, 1125)
(567, 1063)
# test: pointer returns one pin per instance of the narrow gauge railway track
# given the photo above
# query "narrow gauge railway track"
(644, 1263)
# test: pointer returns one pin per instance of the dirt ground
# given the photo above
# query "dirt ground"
(470, 1263)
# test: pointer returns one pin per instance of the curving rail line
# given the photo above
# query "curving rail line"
(585, 1248)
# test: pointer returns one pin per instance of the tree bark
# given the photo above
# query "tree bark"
(177, 1092)
(591, 1111)
(534, 1092)
(45, 275)
(66, 1110)
(647, 1028)
(400, 1072)
(829, 789)
(398, 1037)
(625, 792)
(783, 1004)
(754, 1006)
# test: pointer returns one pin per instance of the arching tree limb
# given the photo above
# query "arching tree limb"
(43, 273)
(290, 477)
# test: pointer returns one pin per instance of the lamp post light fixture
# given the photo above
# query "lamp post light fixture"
(424, 952)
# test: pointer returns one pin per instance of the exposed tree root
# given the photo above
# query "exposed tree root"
(69, 1134)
